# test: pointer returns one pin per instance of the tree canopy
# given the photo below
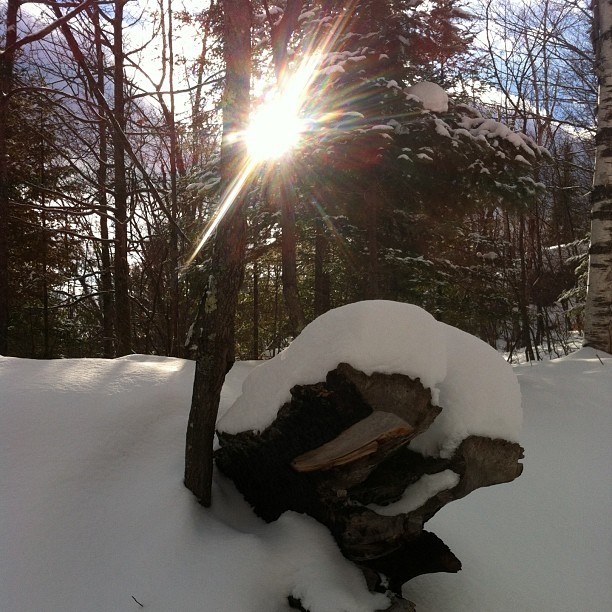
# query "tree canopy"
(445, 162)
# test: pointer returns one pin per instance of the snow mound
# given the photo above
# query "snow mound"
(476, 387)
(432, 96)
(94, 516)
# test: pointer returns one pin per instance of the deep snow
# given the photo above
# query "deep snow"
(93, 514)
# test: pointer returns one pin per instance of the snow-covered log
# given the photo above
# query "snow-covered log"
(369, 453)
(338, 452)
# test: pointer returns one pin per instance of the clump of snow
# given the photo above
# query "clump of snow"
(373, 336)
(478, 392)
(479, 396)
(418, 493)
(431, 95)
(332, 69)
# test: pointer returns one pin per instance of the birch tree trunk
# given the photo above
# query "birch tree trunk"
(215, 324)
(598, 310)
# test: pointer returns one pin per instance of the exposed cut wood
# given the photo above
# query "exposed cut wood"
(358, 441)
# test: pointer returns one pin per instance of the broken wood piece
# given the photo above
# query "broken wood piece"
(360, 440)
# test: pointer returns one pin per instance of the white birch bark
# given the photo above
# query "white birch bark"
(598, 310)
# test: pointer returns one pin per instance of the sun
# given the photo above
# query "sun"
(274, 130)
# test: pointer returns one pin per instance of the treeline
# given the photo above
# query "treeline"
(111, 129)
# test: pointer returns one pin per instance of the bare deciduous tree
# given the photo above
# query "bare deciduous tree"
(215, 323)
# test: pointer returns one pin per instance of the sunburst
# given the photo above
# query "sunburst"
(276, 127)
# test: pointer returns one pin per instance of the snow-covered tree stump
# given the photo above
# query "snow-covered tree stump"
(375, 418)
(338, 451)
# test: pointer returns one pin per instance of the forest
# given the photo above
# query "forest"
(478, 209)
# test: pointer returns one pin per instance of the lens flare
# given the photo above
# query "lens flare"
(277, 127)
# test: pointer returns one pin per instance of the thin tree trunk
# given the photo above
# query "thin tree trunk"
(281, 32)
(522, 295)
(45, 245)
(255, 352)
(598, 309)
(122, 270)
(321, 276)
(216, 315)
(276, 342)
(293, 304)
(7, 66)
(106, 277)
(371, 207)
(45, 284)
(196, 113)
(175, 163)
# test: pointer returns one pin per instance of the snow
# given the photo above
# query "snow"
(93, 512)
(479, 396)
(418, 493)
(332, 69)
(480, 128)
(431, 95)
(391, 337)
(373, 336)
(544, 541)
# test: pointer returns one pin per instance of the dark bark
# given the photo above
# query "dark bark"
(175, 163)
(177, 168)
(123, 321)
(215, 323)
(293, 304)
(522, 295)
(281, 32)
(371, 210)
(255, 351)
(7, 67)
(106, 276)
(322, 297)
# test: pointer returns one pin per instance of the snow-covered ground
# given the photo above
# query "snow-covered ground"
(94, 516)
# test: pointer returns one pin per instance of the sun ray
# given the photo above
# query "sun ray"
(229, 197)
(293, 92)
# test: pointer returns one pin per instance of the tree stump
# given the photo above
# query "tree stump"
(339, 452)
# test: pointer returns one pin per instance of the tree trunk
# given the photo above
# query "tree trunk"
(106, 276)
(523, 298)
(371, 207)
(215, 322)
(7, 65)
(321, 276)
(293, 304)
(122, 270)
(598, 310)
(176, 167)
(281, 33)
(255, 350)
